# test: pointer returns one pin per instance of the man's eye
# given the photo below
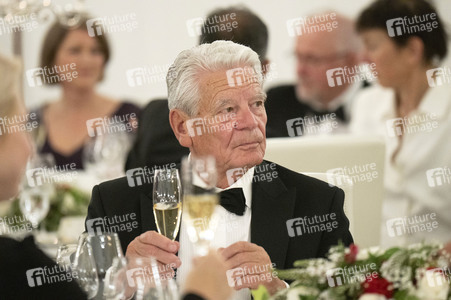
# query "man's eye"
(258, 103)
(227, 110)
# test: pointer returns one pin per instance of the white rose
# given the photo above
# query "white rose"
(372, 297)
(68, 204)
(365, 253)
(433, 286)
(294, 293)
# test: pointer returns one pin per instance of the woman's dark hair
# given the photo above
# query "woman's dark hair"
(379, 12)
(55, 37)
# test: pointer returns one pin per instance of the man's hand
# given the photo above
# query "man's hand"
(153, 244)
(255, 267)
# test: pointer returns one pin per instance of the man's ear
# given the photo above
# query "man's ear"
(178, 119)
(265, 66)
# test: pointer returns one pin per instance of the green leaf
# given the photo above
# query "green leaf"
(404, 295)
(261, 293)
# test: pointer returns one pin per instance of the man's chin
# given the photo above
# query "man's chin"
(250, 162)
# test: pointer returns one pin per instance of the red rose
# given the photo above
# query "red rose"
(378, 285)
(351, 257)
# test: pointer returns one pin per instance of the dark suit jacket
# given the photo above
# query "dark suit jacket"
(282, 104)
(156, 144)
(289, 195)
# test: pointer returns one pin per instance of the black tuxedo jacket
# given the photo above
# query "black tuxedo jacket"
(286, 196)
(282, 104)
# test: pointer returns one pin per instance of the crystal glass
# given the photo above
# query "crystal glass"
(150, 280)
(167, 202)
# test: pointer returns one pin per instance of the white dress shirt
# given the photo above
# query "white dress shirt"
(231, 229)
(410, 189)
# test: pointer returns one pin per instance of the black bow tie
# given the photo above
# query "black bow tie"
(233, 200)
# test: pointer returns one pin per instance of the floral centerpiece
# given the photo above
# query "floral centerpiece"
(417, 272)
(66, 200)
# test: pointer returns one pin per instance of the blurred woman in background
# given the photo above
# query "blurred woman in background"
(17, 257)
(406, 40)
(81, 114)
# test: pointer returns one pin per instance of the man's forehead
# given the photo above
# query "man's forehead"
(317, 42)
(219, 81)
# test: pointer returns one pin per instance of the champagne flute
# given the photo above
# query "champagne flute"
(200, 201)
(167, 206)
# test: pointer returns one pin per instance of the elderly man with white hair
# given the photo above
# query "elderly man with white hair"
(280, 216)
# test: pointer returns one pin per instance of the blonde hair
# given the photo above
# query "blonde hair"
(9, 85)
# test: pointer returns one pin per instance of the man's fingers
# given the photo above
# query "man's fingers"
(237, 247)
(243, 258)
(160, 241)
(138, 248)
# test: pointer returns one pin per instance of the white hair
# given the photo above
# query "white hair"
(184, 74)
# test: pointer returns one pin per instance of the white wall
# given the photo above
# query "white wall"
(162, 33)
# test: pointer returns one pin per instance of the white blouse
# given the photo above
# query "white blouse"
(417, 204)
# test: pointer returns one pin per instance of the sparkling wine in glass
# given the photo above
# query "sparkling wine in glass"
(200, 201)
(167, 205)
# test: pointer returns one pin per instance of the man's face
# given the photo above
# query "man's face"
(315, 54)
(236, 133)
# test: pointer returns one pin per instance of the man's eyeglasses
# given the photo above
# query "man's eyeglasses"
(315, 60)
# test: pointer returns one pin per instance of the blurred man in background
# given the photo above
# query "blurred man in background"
(324, 42)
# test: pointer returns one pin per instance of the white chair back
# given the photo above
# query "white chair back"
(359, 158)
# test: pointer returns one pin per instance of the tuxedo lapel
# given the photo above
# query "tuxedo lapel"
(272, 205)
(147, 218)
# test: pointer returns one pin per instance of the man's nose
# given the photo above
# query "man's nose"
(301, 68)
(246, 119)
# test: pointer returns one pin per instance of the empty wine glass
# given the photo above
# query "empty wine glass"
(85, 267)
(108, 256)
(104, 154)
(65, 255)
(150, 280)
(34, 200)
(35, 205)
(167, 204)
